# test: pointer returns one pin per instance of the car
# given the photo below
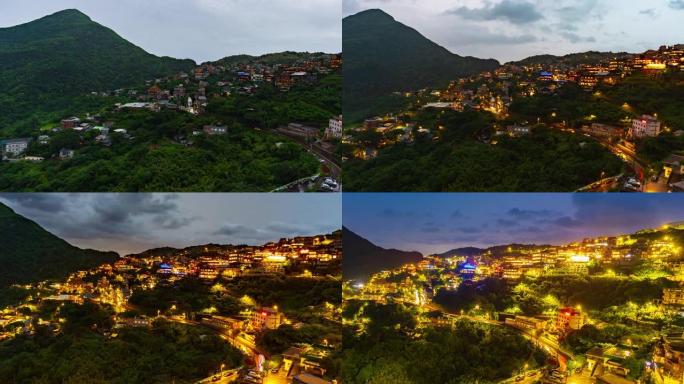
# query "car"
(531, 374)
(520, 378)
(579, 370)
(275, 370)
(215, 378)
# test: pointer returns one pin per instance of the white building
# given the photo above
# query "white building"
(66, 153)
(334, 129)
(644, 126)
(14, 146)
(215, 130)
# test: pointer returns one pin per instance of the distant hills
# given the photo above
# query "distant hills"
(590, 57)
(363, 258)
(382, 55)
(29, 253)
(287, 57)
(465, 252)
(46, 62)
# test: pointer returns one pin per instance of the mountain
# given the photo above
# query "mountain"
(466, 252)
(287, 57)
(45, 63)
(363, 258)
(29, 253)
(382, 55)
(590, 57)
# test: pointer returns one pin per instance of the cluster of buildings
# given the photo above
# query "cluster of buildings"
(114, 284)
(99, 131)
(189, 92)
(495, 91)
(417, 283)
(667, 364)
(311, 255)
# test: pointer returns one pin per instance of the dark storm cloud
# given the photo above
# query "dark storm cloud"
(113, 216)
(237, 230)
(130, 223)
(38, 201)
(516, 12)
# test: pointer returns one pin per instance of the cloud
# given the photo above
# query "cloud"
(469, 230)
(479, 36)
(350, 6)
(38, 201)
(567, 221)
(580, 10)
(237, 230)
(273, 231)
(457, 214)
(676, 4)
(106, 216)
(648, 12)
(575, 38)
(527, 214)
(507, 223)
(515, 12)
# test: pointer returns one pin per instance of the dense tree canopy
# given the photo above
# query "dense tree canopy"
(469, 352)
(162, 354)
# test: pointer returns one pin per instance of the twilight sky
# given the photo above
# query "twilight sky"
(135, 222)
(203, 30)
(510, 30)
(436, 223)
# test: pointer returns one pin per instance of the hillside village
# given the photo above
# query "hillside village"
(187, 93)
(504, 91)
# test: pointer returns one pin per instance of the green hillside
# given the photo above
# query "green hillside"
(46, 63)
(29, 253)
(383, 56)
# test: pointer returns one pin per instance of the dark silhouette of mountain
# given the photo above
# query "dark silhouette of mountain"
(45, 63)
(363, 258)
(466, 252)
(29, 253)
(382, 56)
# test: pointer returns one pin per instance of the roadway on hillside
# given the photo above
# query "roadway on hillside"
(327, 157)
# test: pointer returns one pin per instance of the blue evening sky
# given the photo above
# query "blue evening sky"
(435, 223)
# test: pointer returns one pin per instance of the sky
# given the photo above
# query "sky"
(203, 30)
(135, 222)
(436, 223)
(511, 30)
